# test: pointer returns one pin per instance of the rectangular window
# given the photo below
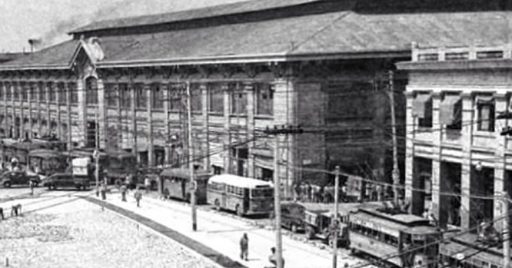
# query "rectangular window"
(42, 92)
(124, 96)
(140, 97)
(157, 97)
(91, 90)
(2, 91)
(422, 109)
(33, 92)
(111, 95)
(74, 93)
(450, 112)
(51, 93)
(216, 98)
(264, 99)
(24, 92)
(8, 89)
(15, 92)
(176, 94)
(238, 99)
(196, 97)
(61, 90)
(486, 110)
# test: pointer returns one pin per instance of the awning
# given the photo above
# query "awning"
(485, 100)
(448, 109)
(419, 105)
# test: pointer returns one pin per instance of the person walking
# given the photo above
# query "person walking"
(244, 247)
(273, 258)
(138, 196)
(2, 213)
(147, 184)
(123, 190)
(103, 191)
(31, 184)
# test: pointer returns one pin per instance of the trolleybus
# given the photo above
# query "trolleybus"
(176, 184)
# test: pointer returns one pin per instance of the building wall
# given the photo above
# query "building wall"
(483, 156)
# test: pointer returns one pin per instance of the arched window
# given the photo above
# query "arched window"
(91, 90)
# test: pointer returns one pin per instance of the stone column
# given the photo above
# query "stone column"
(48, 86)
(227, 126)
(467, 140)
(13, 109)
(166, 93)
(82, 110)
(437, 184)
(411, 180)
(251, 111)
(21, 88)
(119, 127)
(69, 138)
(133, 131)
(30, 104)
(151, 149)
(499, 160)
(39, 86)
(59, 123)
(205, 143)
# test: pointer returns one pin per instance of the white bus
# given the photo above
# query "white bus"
(245, 196)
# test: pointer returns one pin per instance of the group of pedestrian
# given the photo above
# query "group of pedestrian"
(244, 252)
(307, 192)
(15, 211)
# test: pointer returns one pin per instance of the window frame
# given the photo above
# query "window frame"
(111, 95)
(237, 97)
(492, 117)
(196, 98)
(91, 91)
(264, 110)
(141, 97)
(215, 98)
(61, 94)
(52, 94)
(157, 96)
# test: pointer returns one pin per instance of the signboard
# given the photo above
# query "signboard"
(80, 166)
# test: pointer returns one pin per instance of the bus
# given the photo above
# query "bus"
(176, 184)
(19, 150)
(245, 196)
(45, 162)
(394, 240)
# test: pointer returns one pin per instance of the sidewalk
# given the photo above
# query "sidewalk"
(223, 233)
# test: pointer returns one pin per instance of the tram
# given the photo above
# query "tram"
(394, 240)
(45, 162)
(176, 184)
(465, 250)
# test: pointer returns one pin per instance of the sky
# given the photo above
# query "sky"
(50, 20)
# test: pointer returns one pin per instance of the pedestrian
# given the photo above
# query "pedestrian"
(2, 213)
(308, 190)
(297, 191)
(103, 191)
(138, 196)
(273, 258)
(244, 247)
(123, 189)
(31, 184)
(147, 184)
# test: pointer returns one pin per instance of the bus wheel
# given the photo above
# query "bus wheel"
(239, 211)
(217, 204)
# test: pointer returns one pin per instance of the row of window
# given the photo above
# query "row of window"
(120, 94)
(51, 92)
(374, 234)
(450, 112)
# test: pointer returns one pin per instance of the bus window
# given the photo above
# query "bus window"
(257, 193)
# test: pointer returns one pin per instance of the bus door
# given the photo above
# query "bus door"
(223, 198)
(246, 200)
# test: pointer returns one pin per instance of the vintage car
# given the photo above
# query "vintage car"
(319, 225)
(9, 178)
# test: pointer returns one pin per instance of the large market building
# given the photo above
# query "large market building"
(324, 65)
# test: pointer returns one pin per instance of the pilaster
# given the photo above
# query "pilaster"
(22, 121)
(251, 111)
(119, 117)
(102, 114)
(58, 92)
(499, 159)
(47, 85)
(166, 95)
(13, 110)
(205, 143)
(437, 184)
(467, 140)
(69, 137)
(82, 111)
(149, 106)
(417, 205)
(227, 136)
(133, 130)
(30, 104)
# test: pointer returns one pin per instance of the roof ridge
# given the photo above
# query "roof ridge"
(240, 7)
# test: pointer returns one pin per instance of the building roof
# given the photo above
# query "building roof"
(199, 13)
(343, 34)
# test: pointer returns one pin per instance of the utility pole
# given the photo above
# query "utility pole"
(190, 159)
(335, 218)
(96, 154)
(396, 171)
(506, 232)
(277, 204)
(277, 185)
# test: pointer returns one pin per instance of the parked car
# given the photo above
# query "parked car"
(66, 180)
(292, 216)
(9, 178)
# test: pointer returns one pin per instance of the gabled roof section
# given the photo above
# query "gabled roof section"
(200, 13)
(59, 56)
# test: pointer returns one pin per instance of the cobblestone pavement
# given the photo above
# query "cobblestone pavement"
(75, 233)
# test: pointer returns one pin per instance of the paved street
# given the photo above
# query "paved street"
(223, 233)
(58, 229)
